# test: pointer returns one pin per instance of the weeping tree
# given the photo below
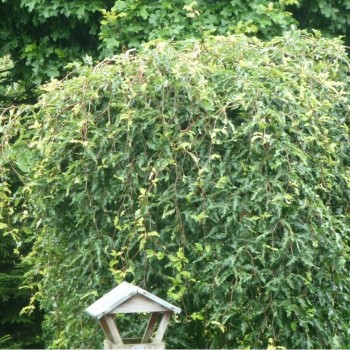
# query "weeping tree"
(213, 173)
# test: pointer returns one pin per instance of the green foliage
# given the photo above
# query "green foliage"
(331, 17)
(20, 330)
(213, 173)
(38, 38)
(9, 91)
(43, 36)
(17, 330)
(130, 23)
(15, 159)
(4, 339)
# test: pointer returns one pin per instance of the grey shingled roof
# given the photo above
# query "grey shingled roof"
(119, 295)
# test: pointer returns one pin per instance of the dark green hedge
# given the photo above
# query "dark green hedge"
(214, 174)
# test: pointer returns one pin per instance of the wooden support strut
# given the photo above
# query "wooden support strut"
(162, 327)
(150, 327)
(110, 330)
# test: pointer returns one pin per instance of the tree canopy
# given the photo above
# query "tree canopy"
(332, 17)
(214, 173)
(130, 23)
(44, 36)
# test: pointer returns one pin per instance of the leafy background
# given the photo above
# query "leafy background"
(43, 36)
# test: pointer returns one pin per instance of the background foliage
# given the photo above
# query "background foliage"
(332, 17)
(213, 173)
(16, 330)
(130, 23)
(42, 36)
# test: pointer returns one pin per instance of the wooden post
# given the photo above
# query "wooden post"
(162, 327)
(150, 327)
(108, 345)
(110, 330)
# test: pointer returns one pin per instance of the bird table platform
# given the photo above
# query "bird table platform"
(127, 298)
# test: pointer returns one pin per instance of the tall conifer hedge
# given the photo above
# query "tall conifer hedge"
(213, 173)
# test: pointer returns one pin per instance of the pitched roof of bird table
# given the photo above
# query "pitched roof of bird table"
(127, 298)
